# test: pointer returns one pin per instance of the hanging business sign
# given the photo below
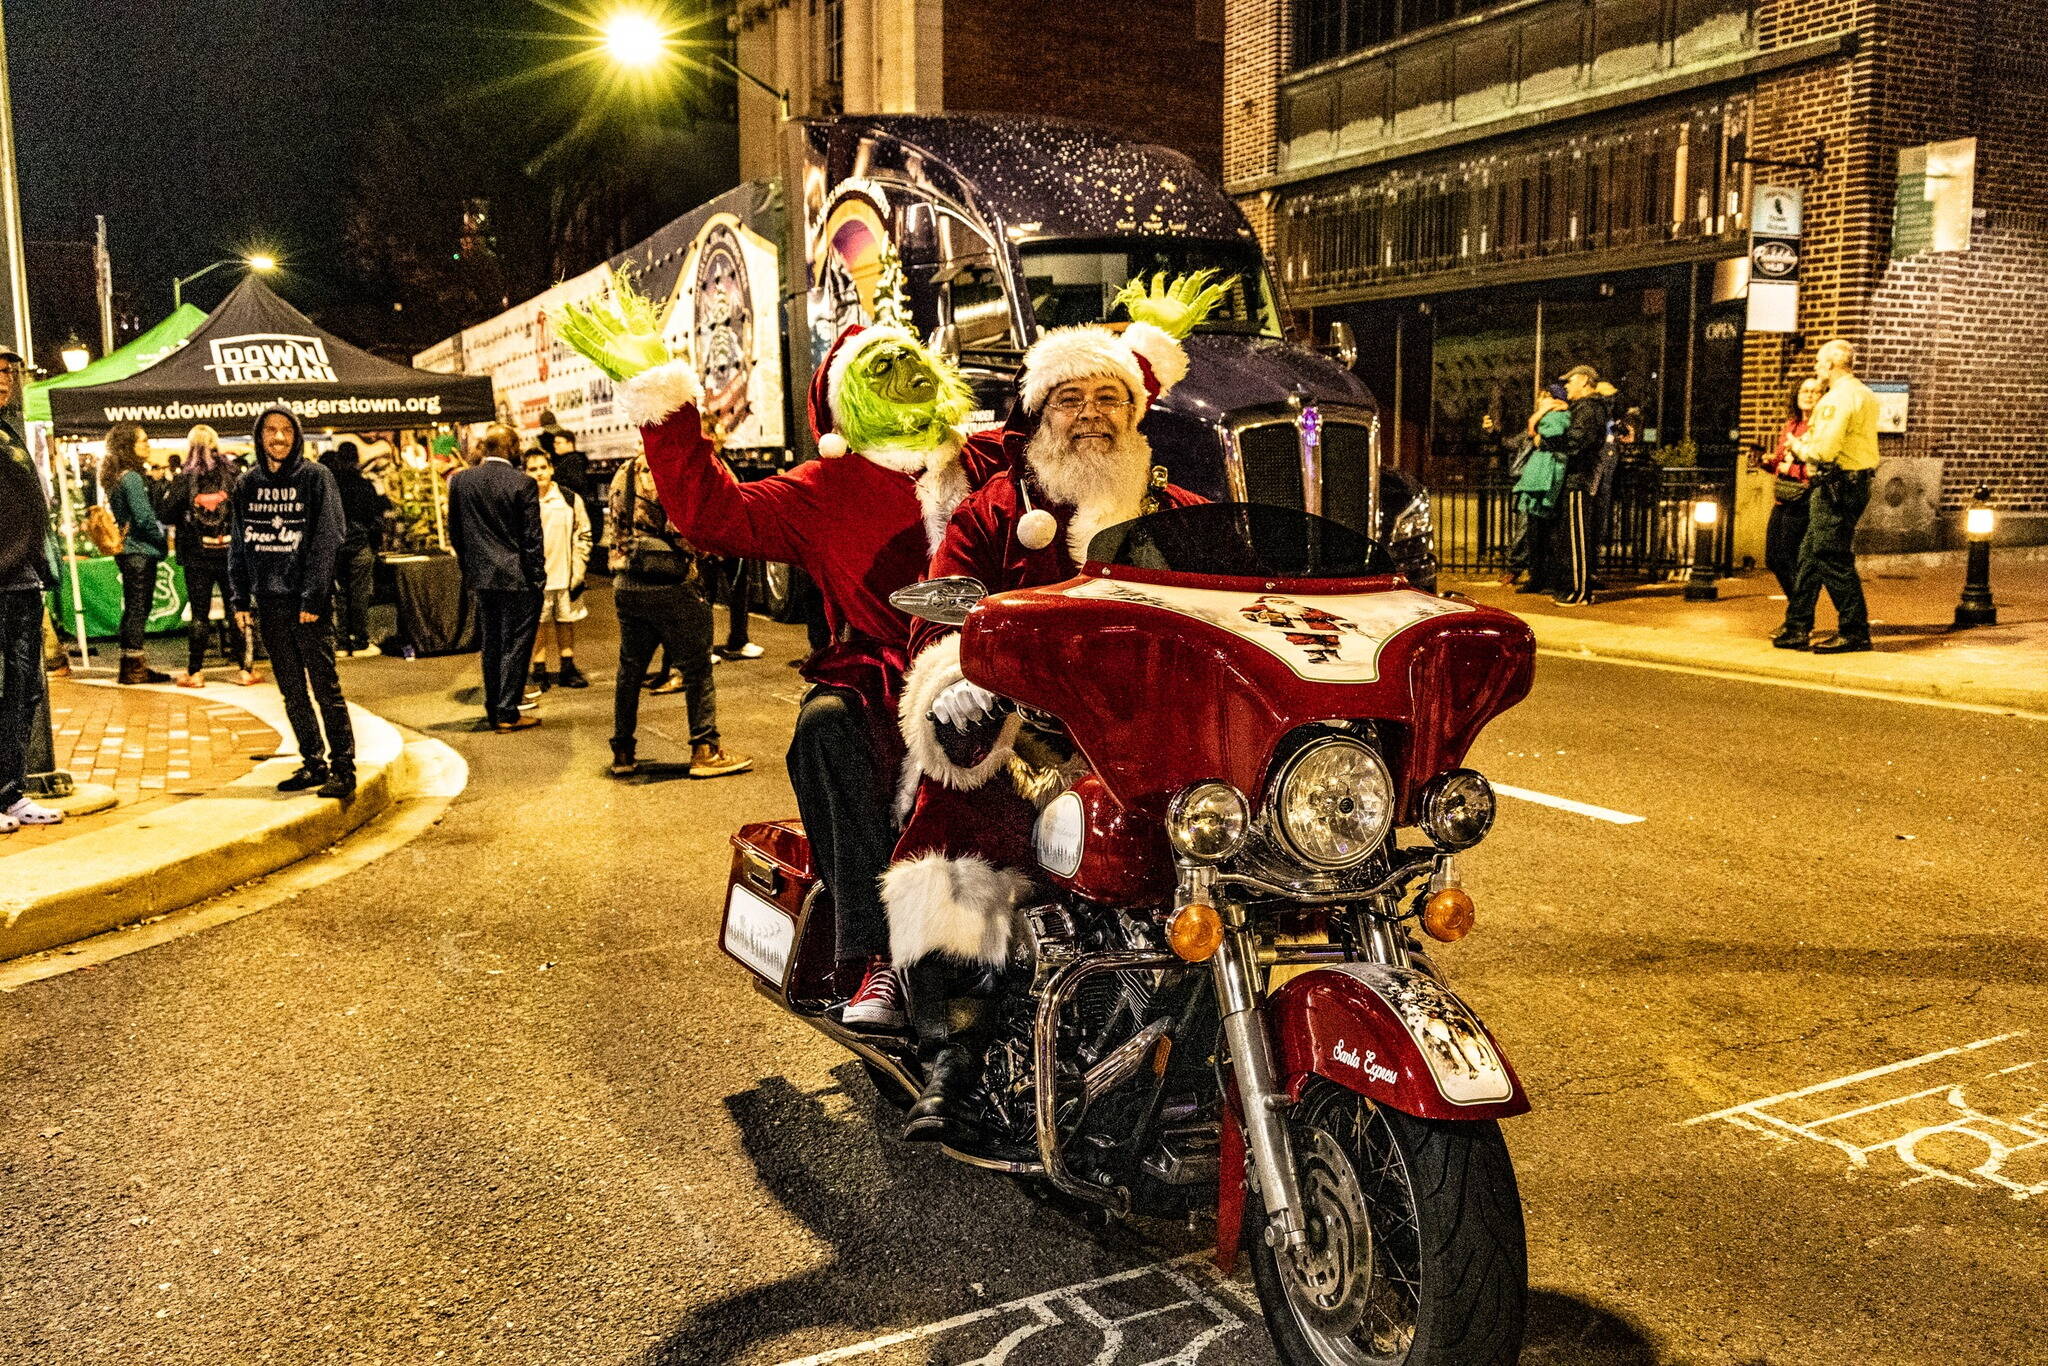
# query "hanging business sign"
(1776, 214)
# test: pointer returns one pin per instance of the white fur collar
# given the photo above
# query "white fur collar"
(941, 488)
(902, 459)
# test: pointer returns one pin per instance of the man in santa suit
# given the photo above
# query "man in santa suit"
(861, 521)
(960, 868)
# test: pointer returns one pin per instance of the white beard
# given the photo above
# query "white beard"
(1102, 489)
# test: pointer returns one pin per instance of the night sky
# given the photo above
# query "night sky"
(204, 128)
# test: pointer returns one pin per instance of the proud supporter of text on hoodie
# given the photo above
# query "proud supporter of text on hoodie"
(287, 529)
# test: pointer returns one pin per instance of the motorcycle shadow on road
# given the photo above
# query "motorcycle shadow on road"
(1565, 1330)
(914, 1236)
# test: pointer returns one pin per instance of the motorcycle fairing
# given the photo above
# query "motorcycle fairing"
(1397, 1036)
(1159, 699)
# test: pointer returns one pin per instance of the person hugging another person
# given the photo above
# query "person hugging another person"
(200, 507)
(565, 541)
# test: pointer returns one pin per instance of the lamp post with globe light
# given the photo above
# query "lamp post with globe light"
(1977, 608)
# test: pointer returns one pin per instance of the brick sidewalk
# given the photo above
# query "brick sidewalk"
(153, 747)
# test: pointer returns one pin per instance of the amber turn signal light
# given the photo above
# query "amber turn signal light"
(1195, 932)
(1448, 914)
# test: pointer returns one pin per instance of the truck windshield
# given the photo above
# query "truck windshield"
(1074, 282)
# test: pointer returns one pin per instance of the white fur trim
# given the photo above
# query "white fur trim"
(651, 396)
(902, 459)
(934, 671)
(847, 353)
(1066, 354)
(941, 488)
(1167, 357)
(831, 445)
(960, 908)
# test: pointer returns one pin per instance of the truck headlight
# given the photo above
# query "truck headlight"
(1457, 809)
(1415, 520)
(1333, 803)
(1208, 821)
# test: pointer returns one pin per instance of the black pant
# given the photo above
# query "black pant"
(1534, 549)
(735, 581)
(675, 618)
(204, 573)
(1570, 561)
(1782, 535)
(138, 590)
(507, 619)
(354, 569)
(21, 684)
(302, 658)
(1825, 558)
(845, 810)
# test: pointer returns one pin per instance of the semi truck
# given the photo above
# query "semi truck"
(982, 232)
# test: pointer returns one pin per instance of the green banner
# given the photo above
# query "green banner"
(99, 586)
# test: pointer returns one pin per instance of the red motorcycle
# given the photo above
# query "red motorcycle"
(1219, 1000)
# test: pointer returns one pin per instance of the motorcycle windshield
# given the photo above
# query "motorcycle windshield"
(1241, 540)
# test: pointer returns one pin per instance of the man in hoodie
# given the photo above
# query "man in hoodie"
(287, 532)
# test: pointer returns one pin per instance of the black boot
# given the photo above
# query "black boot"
(308, 777)
(540, 677)
(571, 676)
(945, 1109)
(340, 784)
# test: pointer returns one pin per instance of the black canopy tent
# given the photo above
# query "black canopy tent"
(256, 351)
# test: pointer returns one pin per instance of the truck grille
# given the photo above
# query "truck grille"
(1271, 458)
(1272, 464)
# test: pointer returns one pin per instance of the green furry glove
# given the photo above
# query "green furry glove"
(618, 331)
(1175, 308)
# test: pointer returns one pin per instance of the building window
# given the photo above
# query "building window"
(1331, 28)
(835, 43)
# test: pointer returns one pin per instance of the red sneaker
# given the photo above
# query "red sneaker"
(878, 1005)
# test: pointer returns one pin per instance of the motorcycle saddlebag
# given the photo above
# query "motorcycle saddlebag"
(778, 916)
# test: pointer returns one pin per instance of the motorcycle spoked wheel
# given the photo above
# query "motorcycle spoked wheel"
(1417, 1253)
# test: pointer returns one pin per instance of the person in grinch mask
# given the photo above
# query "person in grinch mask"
(964, 861)
(861, 521)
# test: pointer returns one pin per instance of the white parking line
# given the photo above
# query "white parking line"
(1598, 813)
(1066, 1305)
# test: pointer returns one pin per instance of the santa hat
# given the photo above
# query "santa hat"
(826, 381)
(1146, 359)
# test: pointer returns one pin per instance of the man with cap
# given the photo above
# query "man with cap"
(1578, 446)
(861, 521)
(25, 572)
(960, 868)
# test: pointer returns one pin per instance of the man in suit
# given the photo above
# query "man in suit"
(494, 521)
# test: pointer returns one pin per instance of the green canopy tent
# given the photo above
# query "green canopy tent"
(123, 361)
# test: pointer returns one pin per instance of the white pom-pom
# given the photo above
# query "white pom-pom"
(831, 445)
(1036, 528)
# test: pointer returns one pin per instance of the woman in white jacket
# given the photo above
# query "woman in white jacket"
(565, 536)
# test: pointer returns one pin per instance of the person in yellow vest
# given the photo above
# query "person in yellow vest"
(1840, 451)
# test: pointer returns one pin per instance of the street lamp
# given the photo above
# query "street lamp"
(261, 263)
(637, 41)
(1976, 608)
(75, 355)
(1700, 585)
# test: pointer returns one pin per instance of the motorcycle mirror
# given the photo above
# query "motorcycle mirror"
(1344, 344)
(946, 601)
(945, 340)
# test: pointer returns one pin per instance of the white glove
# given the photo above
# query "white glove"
(963, 703)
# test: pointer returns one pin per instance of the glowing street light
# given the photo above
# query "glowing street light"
(1700, 585)
(261, 262)
(75, 355)
(634, 40)
(1977, 607)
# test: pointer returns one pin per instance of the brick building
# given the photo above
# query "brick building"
(1489, 192)
(1148, 68)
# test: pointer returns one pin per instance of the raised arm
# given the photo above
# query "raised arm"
(714, 511)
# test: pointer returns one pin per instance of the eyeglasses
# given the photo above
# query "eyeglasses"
(1105, 406)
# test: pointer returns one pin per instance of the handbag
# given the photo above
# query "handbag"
(103, 530)
(647, 559)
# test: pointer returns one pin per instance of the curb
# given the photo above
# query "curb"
(1945, 681)
(153, 864)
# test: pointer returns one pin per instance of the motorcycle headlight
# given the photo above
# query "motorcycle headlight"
(1208, 821)
(1414, 520)
(1457, 809)
(1333, 803)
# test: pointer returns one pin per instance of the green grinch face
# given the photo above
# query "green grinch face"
(899, 394)
(899, 375)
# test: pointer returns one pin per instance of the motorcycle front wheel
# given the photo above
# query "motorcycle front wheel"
(1416, 1253)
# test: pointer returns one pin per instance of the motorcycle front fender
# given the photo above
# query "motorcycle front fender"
(1396, 1036)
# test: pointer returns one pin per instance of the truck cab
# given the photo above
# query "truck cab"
(991, 230)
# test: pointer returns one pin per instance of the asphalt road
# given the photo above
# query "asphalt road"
(498, 1098)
